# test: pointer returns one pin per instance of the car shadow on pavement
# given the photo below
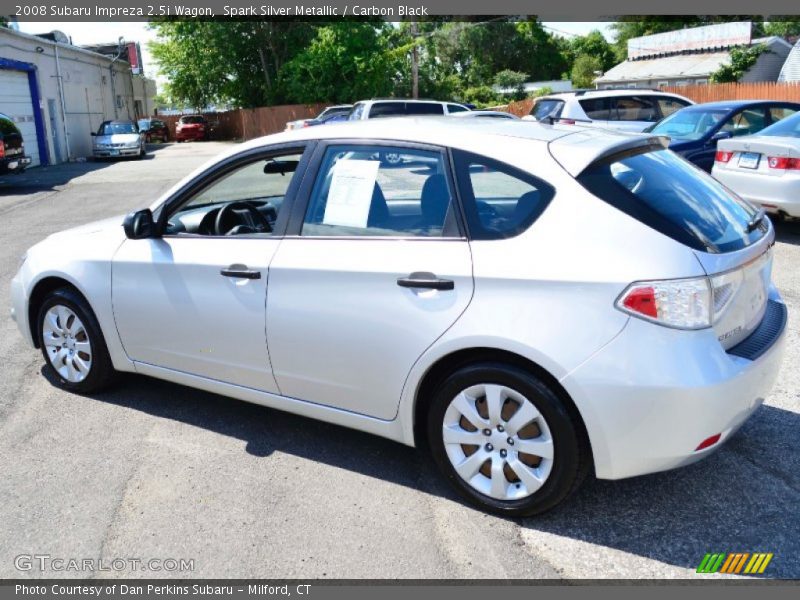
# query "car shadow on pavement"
(787, 231)
(744, 498)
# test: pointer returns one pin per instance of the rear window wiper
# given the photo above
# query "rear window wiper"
(753, 223)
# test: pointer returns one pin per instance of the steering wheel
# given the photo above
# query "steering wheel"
(229, 220)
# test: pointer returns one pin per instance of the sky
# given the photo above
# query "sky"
(103, 33)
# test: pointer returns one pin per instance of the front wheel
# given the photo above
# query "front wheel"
(72, 343)
(505, 440)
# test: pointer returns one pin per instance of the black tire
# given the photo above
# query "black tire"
(101, 372)
(571, 458)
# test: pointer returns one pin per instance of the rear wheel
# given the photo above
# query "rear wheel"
(505, 440)
(72, 343)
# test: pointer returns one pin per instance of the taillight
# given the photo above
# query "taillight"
(567, 122)
(678, 303)
(723, 156)
(2, 149)
(783, 162)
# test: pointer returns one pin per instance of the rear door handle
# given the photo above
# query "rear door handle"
(425, 280)
(240, 272)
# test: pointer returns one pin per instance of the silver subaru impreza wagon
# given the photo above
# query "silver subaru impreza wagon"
(528, 301)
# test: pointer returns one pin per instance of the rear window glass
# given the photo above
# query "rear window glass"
(7, 126)
(673, 197)
(547, 107)
(193, 120)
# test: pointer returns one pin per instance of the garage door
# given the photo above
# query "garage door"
(15, 101)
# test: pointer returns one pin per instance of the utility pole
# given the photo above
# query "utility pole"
(415, 61)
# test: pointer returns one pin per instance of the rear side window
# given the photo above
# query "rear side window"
(673, 197)
(635, 108)
(547, 107)
(499, 200)
(597, 109)
(789, 127)
(424, 108)
(778, 113)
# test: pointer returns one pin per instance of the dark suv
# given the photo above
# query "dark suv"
(12, 149)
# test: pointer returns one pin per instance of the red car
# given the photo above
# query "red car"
(191, 127)
(154, 129)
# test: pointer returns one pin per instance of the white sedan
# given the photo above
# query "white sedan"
(764, 168)
(528, 303)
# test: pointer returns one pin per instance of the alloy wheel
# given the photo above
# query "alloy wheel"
(498, 442)
(67, 343)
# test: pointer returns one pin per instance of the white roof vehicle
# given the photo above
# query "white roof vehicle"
(627, 110)
(527, 302)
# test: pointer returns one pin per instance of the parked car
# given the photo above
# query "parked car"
(764, 168)
(384, 108)
(485, 114)
(328, 120)
(695, 130)
(154, 129)
(381, 108)
(639, 340)
(321, 118)
(117, 139)
(192, 127)
(626, 110)
(12, 147)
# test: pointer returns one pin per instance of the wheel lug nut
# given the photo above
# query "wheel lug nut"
(500, 428)
(487, 432)
(489, 447)
(503, 453)
(510, 441)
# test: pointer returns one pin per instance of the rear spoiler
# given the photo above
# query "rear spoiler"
(577, 151)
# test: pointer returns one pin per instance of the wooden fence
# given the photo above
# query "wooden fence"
(764, 90)
(249, 123)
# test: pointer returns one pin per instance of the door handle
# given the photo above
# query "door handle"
(423, 279)
(241, 272)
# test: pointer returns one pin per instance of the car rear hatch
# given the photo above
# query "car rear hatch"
(12, 144)
(768, 156)
(730, 238)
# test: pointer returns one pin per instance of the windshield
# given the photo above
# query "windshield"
(788, 127)
(663, 191)
(115, 128)
(144, 124)
(690, 124)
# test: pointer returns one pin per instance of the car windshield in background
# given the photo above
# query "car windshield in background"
(7, 126)
(690, 124)
(192, 120)
(547, 108)
(788, 127)
(117, 128)
(144, 124)
(670, 195)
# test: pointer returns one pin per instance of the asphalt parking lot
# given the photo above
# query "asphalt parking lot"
(153, 470)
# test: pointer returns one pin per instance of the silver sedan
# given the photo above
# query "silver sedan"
(764, 168)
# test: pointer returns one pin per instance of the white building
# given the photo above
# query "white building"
(691, 56)
(790, 72)
(58, 93)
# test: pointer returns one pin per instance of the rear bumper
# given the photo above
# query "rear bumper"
(15, 164)
(654, 394)
(774, 193)
(190, 135)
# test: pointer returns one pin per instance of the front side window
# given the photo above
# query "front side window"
(746, 122)
(673, 197)
(454, 108)
(245, 201)
(380, 191)
(499, 200)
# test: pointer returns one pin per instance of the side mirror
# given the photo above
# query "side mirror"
(139, 225)
(720, 135)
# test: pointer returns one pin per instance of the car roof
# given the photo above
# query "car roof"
(607, 93)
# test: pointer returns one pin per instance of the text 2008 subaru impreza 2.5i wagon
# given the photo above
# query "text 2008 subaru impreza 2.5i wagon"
(528, 301)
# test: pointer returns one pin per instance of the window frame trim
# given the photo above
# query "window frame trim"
(296, 221)
(227, 166)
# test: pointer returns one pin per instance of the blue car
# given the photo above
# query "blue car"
(695, 130)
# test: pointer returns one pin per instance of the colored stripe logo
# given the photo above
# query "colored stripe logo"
(735, 563)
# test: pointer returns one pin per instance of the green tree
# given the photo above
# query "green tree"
(596, 45)
(783, 26)
(512, 80)
(742, 59)
(346, 61)
(583, 71)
